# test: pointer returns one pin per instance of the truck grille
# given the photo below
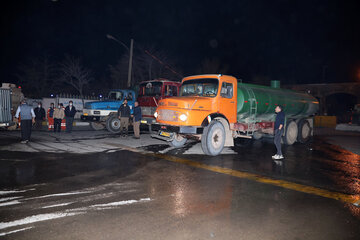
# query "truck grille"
(168, 115)
(148, 111)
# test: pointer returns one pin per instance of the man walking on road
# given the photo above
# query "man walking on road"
(136, 120)
(39, 116)
(27, 116)
(278, 131)
(70, 112)
(124, 115)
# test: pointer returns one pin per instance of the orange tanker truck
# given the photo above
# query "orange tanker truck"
(215, 109)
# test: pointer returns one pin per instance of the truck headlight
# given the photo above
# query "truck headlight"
(155, 114)
(183, 117)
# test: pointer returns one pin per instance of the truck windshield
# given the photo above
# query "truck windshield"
(206, 87)
(115, 95)
(150, 89)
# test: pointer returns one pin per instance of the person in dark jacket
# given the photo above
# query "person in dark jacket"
(70, 112)
(278, 131)
(124, 115)
(136, 120)
(39, 116)
(50, 117)
(26, 116)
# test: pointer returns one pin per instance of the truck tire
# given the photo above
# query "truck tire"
(178, 141)
(213, 138)
(97, 126)
(304, 133)
(291, 133)
(257, 135)
(113, 124)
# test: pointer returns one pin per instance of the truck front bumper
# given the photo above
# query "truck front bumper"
(160, 128)
(147, 120)
(90, 118)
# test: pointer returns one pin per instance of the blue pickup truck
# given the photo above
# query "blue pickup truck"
(103, 114)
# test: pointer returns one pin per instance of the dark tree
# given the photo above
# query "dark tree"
(73, 73)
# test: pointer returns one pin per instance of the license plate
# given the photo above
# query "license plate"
(143, 121)
(165, 134)
(96, 112)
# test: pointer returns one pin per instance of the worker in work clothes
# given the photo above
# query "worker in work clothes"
(39, 116)
(124, 115)
(59, 115)
(278, 131)
(27, 115)
(63, 121)
(70, 112)
(50, 117)
(136, 120)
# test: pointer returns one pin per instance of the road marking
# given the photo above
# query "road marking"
(353, 199)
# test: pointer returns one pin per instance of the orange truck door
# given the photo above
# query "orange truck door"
(227, 100)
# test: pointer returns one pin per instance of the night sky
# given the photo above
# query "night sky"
(293, 41)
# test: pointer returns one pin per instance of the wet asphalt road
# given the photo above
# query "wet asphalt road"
(122, 194)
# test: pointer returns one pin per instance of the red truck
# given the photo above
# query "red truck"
(151, 92)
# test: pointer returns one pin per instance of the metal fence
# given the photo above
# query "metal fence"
(5, 107)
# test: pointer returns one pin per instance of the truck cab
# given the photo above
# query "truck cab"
(103, 114)
(151, 92)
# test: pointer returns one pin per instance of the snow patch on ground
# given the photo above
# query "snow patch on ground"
(9, 203)
(9, 198)
(60, 194)
(15, 191)
(15, 231)
(36, 218)
(58, 205)
(120, 203)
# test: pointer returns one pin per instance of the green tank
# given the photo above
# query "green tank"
(257, 102)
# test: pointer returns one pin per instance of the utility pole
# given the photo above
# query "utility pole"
(130, 57)
(130, 63)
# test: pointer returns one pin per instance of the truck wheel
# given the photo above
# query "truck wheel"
(213, 138)
(96, 126)
(113, 124)
(178, 141)
(257, 135)
(291, 133)
(304, 131)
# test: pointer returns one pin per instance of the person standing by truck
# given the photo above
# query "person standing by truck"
(278, 131)
(27, 116)
(70, 112)
(39, 116)
(136, 120)
(50, 117)
(124, 115)
(58, 117)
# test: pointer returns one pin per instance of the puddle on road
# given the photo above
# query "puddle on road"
(155, 148)
(21, 169)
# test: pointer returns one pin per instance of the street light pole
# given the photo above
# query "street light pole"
(130, 62)
(130, 53)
